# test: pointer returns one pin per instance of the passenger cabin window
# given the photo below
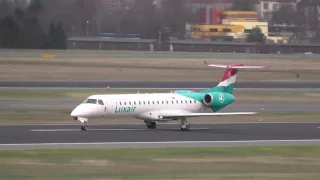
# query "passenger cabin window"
(100, 102)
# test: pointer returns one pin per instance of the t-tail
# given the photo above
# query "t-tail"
(229, 77)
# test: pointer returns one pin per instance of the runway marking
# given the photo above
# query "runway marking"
(70, 130)
(61, 130)
(168, 142)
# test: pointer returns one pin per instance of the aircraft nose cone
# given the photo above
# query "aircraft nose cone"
(82, 111)
(75, 112)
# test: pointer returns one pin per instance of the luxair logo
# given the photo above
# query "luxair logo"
(124, 109)
(221, 98)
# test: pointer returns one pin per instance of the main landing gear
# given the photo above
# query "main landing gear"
(184, 125)
(151, 124)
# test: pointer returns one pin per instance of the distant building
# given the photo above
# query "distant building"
(311, 11)
(263, 7)
(267, 7)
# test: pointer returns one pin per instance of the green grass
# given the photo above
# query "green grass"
(283, 97)
(136, 68)
(259, 163)
(62, 116)
(61, 95)
(157, 55)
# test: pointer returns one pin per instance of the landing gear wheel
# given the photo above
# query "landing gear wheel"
(84, 128)
(151, 125)
(185, 127)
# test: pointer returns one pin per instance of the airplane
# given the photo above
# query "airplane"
(164, 107)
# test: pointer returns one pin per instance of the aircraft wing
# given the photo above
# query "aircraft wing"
(173, 115)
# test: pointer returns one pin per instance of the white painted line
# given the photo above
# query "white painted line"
(61, 130)
(166, 142)
(70, 130)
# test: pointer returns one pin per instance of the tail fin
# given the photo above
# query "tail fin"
(229, 77)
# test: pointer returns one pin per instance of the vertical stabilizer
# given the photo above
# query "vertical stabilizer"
(229, 77)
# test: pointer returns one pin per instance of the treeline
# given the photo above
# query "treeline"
(47, 23)
(21, 29)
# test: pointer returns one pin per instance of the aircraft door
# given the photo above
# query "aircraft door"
(102, 107)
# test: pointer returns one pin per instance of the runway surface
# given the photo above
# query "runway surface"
(70, 136)
(154, 84)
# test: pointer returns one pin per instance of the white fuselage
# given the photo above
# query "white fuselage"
(140, 106)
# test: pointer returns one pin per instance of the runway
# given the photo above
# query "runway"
(153, 84)
(166, 135)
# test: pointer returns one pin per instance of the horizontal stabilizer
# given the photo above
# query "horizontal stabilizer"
(169, 115)
(235, 66)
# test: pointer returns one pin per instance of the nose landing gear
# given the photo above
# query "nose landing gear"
(84, 126)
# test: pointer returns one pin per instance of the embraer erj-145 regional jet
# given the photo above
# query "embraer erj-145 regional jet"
(164, 107)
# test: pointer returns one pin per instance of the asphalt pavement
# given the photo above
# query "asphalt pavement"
(64, 136)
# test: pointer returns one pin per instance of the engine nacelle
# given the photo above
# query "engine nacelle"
(208, 99)
(218, 99)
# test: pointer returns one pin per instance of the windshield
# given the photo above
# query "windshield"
(90, 101)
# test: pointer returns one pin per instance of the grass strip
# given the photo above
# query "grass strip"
(260, 163)
(69, 95)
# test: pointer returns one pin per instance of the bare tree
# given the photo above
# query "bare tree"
(5, 9)
(242, 5)
(286, 14)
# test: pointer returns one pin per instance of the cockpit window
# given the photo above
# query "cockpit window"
(100, 102)
(90, 101)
